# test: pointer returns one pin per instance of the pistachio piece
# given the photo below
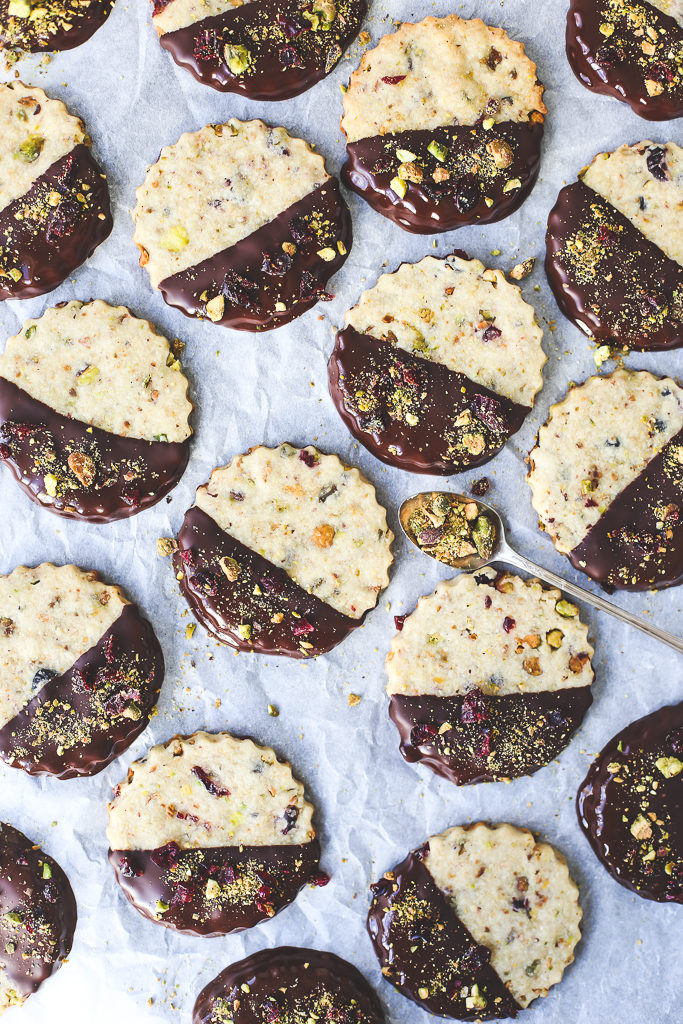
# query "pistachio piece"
(554, 638)
(441, 174)
(212, 890)
(19, 9)
(522, 270)
(237, 57)
(50, 482)
(327, 254)
(669, 766)
(398, 186)
(500, 152)
(438, 151)
(512, 185)
(532, 666)
(89, 375)
(230, 567)
(641, 828)
(30, 149)
(166, 546)
(82, 467)
(215, 308)
(405, 156)
(411, 172)
(175, 239)
(565, 609)
(323, 535)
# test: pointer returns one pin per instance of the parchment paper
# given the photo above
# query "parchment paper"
(249, 389)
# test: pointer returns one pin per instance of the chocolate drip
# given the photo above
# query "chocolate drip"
(289, 981)
(637, 543)
(128, 474)
(618, 66)
(630, 806)
(608, 278)
(44, 243)
(280, 617)
(413, 413)
(285, 55)
(253, 278)
(37, 913)
(214, 890)
(70, 25)
(79, 721)
(423, 946)
(429, 206)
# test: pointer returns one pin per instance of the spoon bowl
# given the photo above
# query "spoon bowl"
(424, 502)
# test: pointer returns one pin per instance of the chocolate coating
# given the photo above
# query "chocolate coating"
(45, 243)
(67, 24)
(256, 275)
(37, 913)
(78, 722)
(129, 474)
(652, 865)
(255, 883)
(616, 284)
(305, 626)
(429, 207)
(616, 65)
(422, 945)
(302, 984)
(286, 56)
(375, 386)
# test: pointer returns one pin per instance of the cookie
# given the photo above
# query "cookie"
(606, 478)
(284, 551)
(630, 49)
(51, 25)
(37, 917)
(93, 412)
(210, 834)
(264, 49)
(614, 255)
(630, 806)
(285, 984)
(437, 365)
(80, 671)
(477, 923)
(443, 121)
(54, 200)
(241, 224)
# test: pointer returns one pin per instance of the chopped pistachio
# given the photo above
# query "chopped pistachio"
(30, 149)
(215, 308)
(522, 270)
(230, 567)
(398, 186)
(189, 630)
(511, 185)
(15, 274)
(244, 630)
(50, 482)
(273, 711)
(19, 9)
(669, 766)
(405, 156)
(237, 57)
(47, 870)
(212, 890)
(175, 239)
(554, 638)
(327, 254)
(438, 151)
(166, 546)
(565, 609)
(641, 828)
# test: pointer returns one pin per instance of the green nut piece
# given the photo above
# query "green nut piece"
(483, 536)
(438, 151)
(237, 57)
(669, 766)
(19, 9)
(30, 149)
(566, 610)
(398, 186)
(554, 638)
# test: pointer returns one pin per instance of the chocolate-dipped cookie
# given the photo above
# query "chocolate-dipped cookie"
(477, 923)
(630, 806)
(37, 917)
(210, 834)
(614, 251)
(54, 200)
(630, 49)
(264, 49)
(288, 984)
(284, 551)
(51, 24)
(444, 122)
(80, 671)
(437, 365)
(241, 224)
(489, 677)
(93, 412)
(606, 477)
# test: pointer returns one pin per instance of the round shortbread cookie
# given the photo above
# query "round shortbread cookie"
(477, 923)
(93, 412)
(51, 24)
(630, 806)
(444, 121)
(615, 247)
(437, 365)
(264, 49)
(37, 917)
(630, 49)
(80, 671)
(284, 551)
(54, 200)
(240, 224)
(210, 834)
(489, 677)
(288, 984)
(607, 479)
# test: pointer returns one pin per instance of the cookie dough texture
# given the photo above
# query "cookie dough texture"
(181, 13)
(674, 8)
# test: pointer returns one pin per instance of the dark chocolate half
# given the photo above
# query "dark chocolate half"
(79, 721)
(481, 738)
(261, 609)
(126, 474)
(425, 950)
(617, 65)
(214, 891)
(287, 983)
(414, 413)
(266, 50)
(257, 276)
(630, 806)
(64, 25)
(41, 243)
(607, 278)
(467, 153)
(37, 913)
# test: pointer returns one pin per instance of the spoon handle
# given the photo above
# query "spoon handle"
(507, 554)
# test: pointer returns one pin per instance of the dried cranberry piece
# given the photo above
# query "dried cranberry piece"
(20, 430)
(383, 164)
(5, 452)
(165, 856)
(320, 879)
(181, 894)
(311, 288)
(80, 682)
(398, 621)
(556, 718)
(508, 624)
(609, 56)
(675, 740)
(228, 874)
(474, 958)
(494, 58)
(131, 498)
(466, 195)
(487, 602)
(158, 6)
(491, 333)
(214, 788)
(480, 487)
(662, 73)
(300, 228)
(521, 904)
(453, 988)
(484, 746)
(117, 704)
(293, 24)
(50, 892)
(301, 627)
(42, 676)
(656, 164)
(187, 557)
(291, 816)
(109, 649)
(206, 581)
(473, 707)
(207, 47)
(432, 535)
(309, 459)
(276, 264)
(185, 816)
(392, 79)
(128, 869)
(62, 221)
(290, 58)
(422, 733)
(271, 1009)
(490, 412)
(240, 291)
